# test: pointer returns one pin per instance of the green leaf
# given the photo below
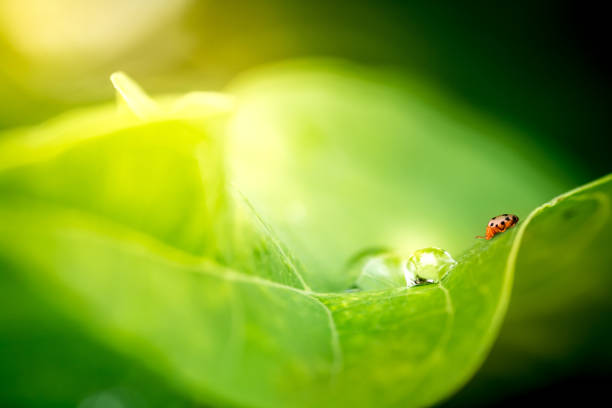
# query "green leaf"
(125, 240)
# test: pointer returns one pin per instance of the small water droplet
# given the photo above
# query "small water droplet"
(382, 272)
(389, 269)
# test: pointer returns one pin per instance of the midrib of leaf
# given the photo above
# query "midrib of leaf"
(277, 244)
(450, 310)
(435, 352)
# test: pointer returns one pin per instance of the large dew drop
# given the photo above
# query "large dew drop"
(387, 270)
(429, 265)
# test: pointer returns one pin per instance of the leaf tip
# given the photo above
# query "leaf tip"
(132, 95)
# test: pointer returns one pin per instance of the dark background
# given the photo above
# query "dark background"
(540, 67)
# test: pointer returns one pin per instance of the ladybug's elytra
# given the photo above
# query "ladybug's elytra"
(499, 224)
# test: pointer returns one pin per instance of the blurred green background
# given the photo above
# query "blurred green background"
(536, 70)
(539, 67)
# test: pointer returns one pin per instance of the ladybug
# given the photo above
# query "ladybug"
(500, 224)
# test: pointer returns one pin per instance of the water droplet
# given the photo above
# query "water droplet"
(389, 269)
(429, 265)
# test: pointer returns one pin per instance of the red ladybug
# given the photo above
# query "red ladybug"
(500, 224)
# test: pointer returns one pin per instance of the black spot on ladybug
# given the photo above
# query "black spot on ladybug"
(503, 223)
(504, 214)
(515, 218)
(491, 224)
(507, 218)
